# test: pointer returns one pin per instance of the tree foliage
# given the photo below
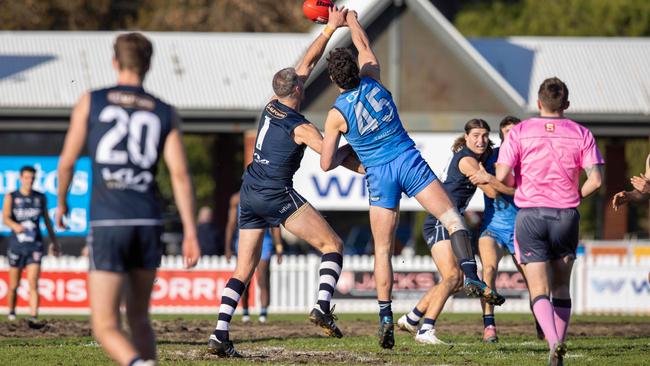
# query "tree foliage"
(154, 15)
(629, 18)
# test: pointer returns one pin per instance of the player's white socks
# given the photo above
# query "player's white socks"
(329, 271)
(229, 299)
(414, 316)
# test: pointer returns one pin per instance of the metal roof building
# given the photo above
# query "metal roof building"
(219, 81)
(607, 77)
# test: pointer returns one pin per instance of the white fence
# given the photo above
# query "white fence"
(600, 285)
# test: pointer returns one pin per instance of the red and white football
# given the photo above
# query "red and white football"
(317, 10)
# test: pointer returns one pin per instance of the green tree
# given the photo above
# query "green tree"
(629, 18)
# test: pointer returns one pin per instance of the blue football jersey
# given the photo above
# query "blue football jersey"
(127, 129)
(458, 186)
(375, 130)
(27, 211)
(503, 207)
(276, 157)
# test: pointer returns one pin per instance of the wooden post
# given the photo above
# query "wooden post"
(614, 222)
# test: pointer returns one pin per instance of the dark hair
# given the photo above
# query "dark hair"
(27, 168)
(553, 94)
(343, 69)
(133, 52)
(284, 81)
(470, 125)
(507, 121)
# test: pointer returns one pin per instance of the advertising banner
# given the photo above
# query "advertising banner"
(412, 285)
(66, 291)
(343, 190)
(46, 182)
(616, 289)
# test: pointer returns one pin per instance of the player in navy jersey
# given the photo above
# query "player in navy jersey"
(367, 116)
(267, 197)
(272, 243)
(125, 131)
(21, 212)
(470, 150)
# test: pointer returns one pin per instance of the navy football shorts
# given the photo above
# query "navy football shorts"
(545, 234)
(22, 255)
(434, 231)
(124, 248)
(263, 207)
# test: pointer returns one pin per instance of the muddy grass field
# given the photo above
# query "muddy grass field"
(291, 339)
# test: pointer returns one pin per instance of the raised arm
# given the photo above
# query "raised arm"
(316, 49)
(469, 166)
(75, 139)
(231, 225)
(368, 63)
(309, 135)
(174, 154)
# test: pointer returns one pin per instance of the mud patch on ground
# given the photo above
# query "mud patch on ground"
(182, 331)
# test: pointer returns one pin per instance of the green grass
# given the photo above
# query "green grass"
(513, 349)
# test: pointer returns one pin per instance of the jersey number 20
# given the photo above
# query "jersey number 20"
(142, 153)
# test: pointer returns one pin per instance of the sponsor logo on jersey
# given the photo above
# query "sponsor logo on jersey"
(258, 159)
(275, 112)
(550, 127)
(131, 100)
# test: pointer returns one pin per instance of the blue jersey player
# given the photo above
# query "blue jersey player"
(271, 243)
(22, 212)
(367, 116)
(267, 197)
(497, 231)
(125, 131)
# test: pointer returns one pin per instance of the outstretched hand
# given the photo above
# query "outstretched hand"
(337, 17)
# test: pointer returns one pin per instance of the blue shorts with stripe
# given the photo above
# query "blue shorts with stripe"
(408, 173)
(262, 207)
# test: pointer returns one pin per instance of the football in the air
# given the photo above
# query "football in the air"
(317, 10)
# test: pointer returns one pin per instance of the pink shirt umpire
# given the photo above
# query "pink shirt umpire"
(547, 155)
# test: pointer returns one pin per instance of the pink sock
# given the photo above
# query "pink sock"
(545, 316)
(562, 309)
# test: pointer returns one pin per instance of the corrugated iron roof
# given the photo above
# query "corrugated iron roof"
(194, 71)
(604, 75)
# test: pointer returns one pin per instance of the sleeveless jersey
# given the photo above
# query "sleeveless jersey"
(457, 185)
(27, 211)
(276, 157)
(375, 130)
(503, 207)
(127, 129)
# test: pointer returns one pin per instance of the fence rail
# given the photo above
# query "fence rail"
(601, 284)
